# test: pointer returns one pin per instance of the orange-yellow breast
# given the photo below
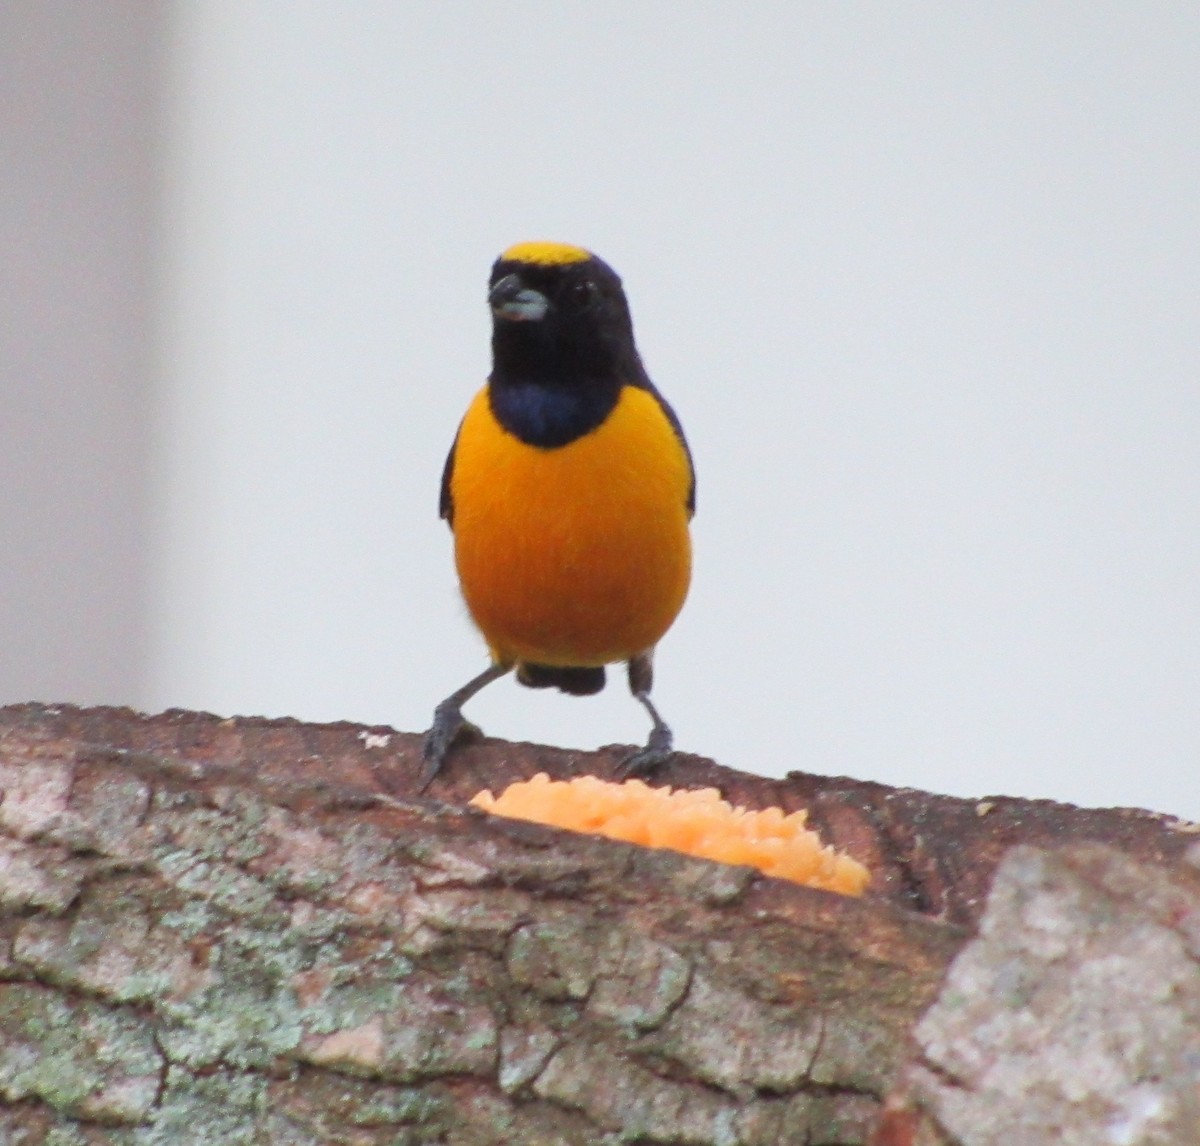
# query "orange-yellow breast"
(577, 555)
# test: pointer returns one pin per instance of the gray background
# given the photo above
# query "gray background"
(921, 280)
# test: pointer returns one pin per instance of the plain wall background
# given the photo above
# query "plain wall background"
(81, 90)
(921, 281)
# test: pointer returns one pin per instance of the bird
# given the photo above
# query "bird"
(569, 489)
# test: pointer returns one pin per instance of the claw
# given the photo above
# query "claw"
(450, 726)
(658, 751)
(438, 740)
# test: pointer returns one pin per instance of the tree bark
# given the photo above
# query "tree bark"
(254, 931)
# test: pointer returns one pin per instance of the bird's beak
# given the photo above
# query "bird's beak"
(513, 301)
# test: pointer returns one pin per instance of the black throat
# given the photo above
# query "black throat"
(547, 413)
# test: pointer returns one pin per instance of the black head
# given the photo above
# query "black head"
(559, 318)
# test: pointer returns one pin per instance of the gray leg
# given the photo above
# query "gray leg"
(449, 722)
(658, 748)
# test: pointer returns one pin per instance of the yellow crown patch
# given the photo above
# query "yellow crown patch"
(546, 254)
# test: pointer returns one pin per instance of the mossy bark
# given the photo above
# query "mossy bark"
(250, 931)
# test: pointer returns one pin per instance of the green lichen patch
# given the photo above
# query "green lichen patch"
(110, 946)
(223, 885)
(98, 1063)
(223, 1107)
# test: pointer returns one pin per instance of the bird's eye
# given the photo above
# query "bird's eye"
(584, 293)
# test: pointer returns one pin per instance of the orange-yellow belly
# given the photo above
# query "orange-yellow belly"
(577, 555)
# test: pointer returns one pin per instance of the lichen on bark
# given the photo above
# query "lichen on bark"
(253, 931)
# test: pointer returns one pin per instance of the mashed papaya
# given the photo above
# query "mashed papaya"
(697, 822)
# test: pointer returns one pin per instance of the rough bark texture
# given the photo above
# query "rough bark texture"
(252, 931)
(1073, 1018)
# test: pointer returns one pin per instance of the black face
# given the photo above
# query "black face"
(561, 325)
(562, 348)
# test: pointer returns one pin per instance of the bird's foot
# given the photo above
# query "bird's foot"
(449, 728)
(658, 751)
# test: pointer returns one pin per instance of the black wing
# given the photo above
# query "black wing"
(446, 499)
(677, 426)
